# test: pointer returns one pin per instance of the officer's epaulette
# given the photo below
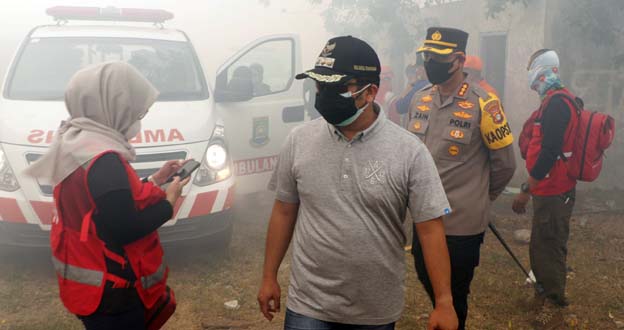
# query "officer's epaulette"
(426, 87)
(480, 92)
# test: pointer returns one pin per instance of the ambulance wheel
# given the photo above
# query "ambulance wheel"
(220, 242)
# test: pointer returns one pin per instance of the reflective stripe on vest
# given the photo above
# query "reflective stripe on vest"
(150, 280)
(78, 274)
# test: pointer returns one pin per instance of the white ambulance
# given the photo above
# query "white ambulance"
(235, 129)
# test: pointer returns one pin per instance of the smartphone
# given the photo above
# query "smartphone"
(186, 170)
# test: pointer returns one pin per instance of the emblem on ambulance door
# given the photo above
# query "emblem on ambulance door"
(260, 132)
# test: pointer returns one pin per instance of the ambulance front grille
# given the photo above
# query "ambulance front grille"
(152, 159)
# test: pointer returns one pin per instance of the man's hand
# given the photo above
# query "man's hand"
(170, 168)
(443, 317)
(269, 298)
(520, 203)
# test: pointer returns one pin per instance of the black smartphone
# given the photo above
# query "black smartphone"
(186, 170)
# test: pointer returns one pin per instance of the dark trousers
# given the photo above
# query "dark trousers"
(464, 252)
(133, 319)
(549, 243)
(296, 321)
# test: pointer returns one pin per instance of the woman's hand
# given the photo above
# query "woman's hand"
(170, 168)
(174, 190)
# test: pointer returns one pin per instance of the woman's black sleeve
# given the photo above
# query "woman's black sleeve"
(116, 218)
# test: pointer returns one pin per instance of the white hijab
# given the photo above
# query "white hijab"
(106, 103)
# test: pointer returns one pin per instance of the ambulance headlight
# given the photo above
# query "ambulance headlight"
(216, 157)
(8, 181)
(216, 165)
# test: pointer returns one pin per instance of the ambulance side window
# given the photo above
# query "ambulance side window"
(270, 65)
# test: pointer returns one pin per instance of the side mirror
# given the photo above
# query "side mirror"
(239, 88)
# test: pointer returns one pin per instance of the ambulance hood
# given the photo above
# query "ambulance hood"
(34, 123)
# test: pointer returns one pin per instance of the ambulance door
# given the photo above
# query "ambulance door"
(260, 102)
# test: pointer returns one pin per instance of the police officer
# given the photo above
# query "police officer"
(466, 131)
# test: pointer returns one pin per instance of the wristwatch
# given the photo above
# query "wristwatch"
(525, 188)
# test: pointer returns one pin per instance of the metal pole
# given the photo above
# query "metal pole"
(538, 288)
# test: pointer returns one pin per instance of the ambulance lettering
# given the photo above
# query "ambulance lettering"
(38, 136)
(255, 166)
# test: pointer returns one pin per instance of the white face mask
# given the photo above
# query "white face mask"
(133, 130)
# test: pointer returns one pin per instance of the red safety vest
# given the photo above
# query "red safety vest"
(557, 181)
(79, 254)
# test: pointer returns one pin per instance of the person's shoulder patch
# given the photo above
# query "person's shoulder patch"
(481, 93)
(495, 129)
(426, 87)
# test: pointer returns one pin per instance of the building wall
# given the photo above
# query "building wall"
(594, 70)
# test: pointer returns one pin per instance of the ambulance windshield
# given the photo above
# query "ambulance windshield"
(45, 66)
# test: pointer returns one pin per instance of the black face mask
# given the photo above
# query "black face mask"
(335, 108)
(438, 72)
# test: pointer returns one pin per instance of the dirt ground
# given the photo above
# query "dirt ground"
(204, 278)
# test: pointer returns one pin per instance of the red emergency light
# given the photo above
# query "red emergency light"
(65, 13)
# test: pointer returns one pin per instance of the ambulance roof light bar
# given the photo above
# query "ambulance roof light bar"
(66, 13)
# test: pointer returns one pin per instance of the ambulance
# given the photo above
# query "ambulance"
(235, 128)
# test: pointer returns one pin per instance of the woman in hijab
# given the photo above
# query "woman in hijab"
(104, 242)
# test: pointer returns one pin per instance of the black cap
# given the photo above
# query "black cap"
(444, 41)
(345, 58)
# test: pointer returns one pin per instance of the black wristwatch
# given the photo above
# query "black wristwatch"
(525, 188)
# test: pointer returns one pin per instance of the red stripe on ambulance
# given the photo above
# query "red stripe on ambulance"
(45, 211)
(203, 203)
(10, 211)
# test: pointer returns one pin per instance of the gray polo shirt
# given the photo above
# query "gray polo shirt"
(348, 258)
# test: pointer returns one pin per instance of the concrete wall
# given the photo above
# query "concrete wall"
(594, 70)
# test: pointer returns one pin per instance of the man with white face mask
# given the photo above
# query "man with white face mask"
(553, 190)
(343, 189)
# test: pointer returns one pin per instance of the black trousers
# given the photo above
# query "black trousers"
(464, 252)
(133, 319)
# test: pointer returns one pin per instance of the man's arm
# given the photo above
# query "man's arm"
(555, 121)
(497, 137)
(279, 235)
(433, 241)
(502, 169)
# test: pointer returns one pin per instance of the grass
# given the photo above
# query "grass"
(203, 281)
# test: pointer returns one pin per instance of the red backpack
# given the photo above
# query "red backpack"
(594, 134)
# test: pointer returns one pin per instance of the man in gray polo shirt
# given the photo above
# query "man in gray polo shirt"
(344, 183)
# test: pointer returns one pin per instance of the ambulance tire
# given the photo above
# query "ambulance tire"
(221, 242)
